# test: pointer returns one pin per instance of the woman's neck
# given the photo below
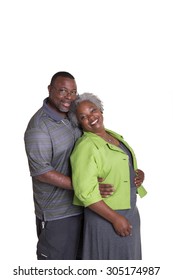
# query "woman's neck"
(108, 138)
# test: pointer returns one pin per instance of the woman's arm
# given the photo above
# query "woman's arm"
(120, 223)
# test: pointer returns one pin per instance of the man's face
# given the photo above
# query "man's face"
(61, 93)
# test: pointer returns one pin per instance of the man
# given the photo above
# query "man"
(49, 140)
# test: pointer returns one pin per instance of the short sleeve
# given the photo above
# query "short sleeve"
(39, 151)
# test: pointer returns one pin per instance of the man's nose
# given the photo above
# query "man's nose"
(69, 95)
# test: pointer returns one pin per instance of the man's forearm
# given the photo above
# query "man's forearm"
(55, 178)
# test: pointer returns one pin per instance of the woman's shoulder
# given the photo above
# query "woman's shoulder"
(117, 135)
(82, 149)
(84, 141)
(88, 143)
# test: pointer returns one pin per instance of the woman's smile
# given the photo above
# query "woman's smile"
(94, 122)
(89, 116)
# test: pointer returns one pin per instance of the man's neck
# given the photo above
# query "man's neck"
(53, 107)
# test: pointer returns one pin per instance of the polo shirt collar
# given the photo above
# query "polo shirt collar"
(50, 112)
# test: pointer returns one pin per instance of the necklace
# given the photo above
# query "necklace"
(110, 139)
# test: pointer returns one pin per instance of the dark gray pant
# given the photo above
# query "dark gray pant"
(59, 239)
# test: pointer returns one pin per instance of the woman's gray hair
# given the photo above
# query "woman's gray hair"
(83, 97)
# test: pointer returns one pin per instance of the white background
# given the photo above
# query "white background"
(123, 52)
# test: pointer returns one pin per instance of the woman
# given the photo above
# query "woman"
(112, 224)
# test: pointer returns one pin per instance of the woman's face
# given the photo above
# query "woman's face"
(89, 117)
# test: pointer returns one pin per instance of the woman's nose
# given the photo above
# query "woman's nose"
(90, 117)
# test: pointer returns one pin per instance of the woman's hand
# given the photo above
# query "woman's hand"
(122, 226)
(139, 177)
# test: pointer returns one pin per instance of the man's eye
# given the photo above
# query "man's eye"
(82, 118)
(62, 90)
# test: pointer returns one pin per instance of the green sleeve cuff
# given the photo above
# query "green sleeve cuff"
(88, 201)
(141, 191)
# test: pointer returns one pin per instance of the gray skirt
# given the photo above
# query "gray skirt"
(102, 243)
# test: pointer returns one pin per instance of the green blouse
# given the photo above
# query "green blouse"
(94, 158)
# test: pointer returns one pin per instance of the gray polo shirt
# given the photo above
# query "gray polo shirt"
(49, 140)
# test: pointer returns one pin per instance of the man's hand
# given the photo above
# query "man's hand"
(105, 189)
(139, 177)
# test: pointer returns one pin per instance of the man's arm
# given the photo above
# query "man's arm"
(59, 180)
(40, 159)
(55, 178)
(105, 189)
